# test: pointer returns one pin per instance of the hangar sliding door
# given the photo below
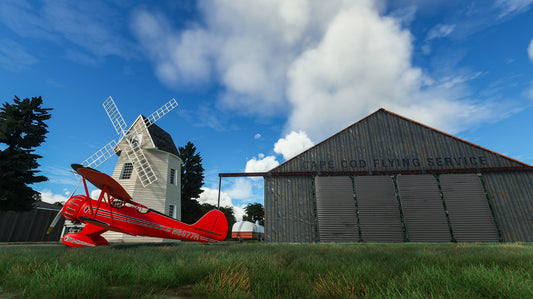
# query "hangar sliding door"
(335, 207)
(379, 216)
(468, 209)
(423, 210)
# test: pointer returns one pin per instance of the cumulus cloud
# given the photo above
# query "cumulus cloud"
(241, 189)
(49, 197)
(324, 64)
(95, 194)
(530, 50)
(293, 144)
(210, 196)
(261, 163)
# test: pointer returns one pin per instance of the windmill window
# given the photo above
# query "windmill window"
(127, 169)
(171, 209)
(172, 176)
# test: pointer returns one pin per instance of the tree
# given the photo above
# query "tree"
(22, 128)
(254, 212)
(192, 180)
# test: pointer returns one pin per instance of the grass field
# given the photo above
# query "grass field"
(257, 270)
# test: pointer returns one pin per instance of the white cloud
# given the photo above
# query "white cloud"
(293, 144)
(342, 79)
(49, 197)
(450, 82)
(90, 30)
(324, 64)
(530, 50)
(261, 163)
(529, 92)
(210, 196)
(13, 56)
(95, 194)
(239, 212)
(512, 6)
(440, 31)
(241, 189)
(61, 175)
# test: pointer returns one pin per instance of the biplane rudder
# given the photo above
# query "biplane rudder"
(213, 225)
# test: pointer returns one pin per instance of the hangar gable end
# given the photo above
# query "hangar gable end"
(387, 142)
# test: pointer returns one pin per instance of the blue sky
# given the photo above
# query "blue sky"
(259, 81)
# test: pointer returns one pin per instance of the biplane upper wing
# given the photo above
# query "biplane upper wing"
(101, 180)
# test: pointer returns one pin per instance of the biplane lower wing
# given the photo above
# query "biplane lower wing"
(89, 236)
(105, 225)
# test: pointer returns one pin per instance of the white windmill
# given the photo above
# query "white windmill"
(150, 169)
(132, 138)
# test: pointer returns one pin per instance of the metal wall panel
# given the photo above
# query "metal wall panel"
(290, 210)
(468, 209)
(511, 196)
(379, 215)
(29, 226)
(335, 207)
(423, 210)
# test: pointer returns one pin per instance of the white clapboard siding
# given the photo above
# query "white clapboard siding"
(157, 196)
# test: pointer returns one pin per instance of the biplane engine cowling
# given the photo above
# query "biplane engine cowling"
(73, 205)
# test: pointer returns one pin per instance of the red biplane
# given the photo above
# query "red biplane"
(116, 211)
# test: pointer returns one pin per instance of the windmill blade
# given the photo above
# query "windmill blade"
(161, 112)
(101, 155)
(139, 127)
(140, 163)
(115, 116)
(132, 149)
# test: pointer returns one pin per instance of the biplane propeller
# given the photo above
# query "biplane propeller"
(116, 211)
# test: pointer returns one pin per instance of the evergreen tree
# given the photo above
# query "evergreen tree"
(22, 128)
(192, 180)
(254, 212)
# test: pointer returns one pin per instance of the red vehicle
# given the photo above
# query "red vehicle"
(116, 211)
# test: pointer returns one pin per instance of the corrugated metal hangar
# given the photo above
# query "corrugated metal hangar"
(30, 226)
(387, 178)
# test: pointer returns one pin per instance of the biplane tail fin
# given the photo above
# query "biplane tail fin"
(213, 225)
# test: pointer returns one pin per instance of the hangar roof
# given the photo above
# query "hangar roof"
(385, 142)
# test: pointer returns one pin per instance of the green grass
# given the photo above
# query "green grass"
(255, 270)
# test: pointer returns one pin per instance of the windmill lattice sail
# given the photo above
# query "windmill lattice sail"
(138, 159)
(133, 149)
(161, 112)
(115, 116)
(101, 155)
